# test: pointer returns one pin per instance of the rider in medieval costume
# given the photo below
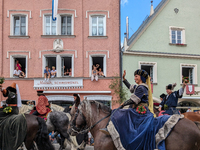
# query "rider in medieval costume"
(134, 127)
(12, 126)
(161, 105)
(42, 107)
(170, 101)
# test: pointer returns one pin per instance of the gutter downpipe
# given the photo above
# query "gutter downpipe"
(2, 38)
(120, 50)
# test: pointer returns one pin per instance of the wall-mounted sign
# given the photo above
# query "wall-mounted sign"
(62, 83)
(190, 89)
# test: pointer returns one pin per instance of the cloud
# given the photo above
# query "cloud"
(123, 2)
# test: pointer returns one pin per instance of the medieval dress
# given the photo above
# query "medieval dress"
(170, 102)
(13, 127)
(133, 131)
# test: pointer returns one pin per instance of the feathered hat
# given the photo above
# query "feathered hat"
(170, 86)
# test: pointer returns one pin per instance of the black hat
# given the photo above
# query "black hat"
(170, 86)
(39, 91)
(75, 95)
(142, 73)
(162, 95)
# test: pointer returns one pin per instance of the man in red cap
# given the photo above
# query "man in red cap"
(42, 106)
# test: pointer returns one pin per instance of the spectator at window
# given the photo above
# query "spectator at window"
(18, 65)
(94, 72)
(100, 73)
(66, 73)
(47, 73)
(18, 73)
(53, 72)
(70, 72)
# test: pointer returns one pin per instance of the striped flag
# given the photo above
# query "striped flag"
(54, 9)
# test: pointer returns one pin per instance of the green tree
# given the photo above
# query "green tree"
(119, 91)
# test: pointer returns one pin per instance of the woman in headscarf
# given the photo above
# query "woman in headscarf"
(134, 126)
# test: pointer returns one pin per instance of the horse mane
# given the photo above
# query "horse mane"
(101, 106)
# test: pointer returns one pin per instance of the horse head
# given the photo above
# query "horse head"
(78, 119)
(87, 116)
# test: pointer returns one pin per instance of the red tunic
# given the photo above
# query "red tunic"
(42, 103)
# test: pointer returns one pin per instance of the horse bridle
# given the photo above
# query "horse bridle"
(85, 130)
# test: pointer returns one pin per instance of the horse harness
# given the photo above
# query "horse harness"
(85, 130)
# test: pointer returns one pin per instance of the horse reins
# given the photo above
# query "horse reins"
(75, 129)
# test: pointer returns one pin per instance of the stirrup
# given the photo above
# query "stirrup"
(105, 131)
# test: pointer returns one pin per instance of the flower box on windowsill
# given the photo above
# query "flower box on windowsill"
(18, 37)
(178, 44)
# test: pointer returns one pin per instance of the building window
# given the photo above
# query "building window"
(189, 71)
(19, 25)
(66, 66)
(177, 35)
(100, 60)
(66, 25)
(18, 63)
(62, 26)
(50, 62)
(151, 69)
(98, 25)
(50, 26)
(188, 74)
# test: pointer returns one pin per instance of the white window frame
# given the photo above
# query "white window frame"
(91, 63)
(182, 29)
(90, 24)
(12, 63)
(72, 67)
(72, 23)
(58, 63)
(153, 64)
(44, 23)
(12, 24)
(194, 66)
(58, 23)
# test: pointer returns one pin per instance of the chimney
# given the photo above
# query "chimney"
(127, 27)
(152, 10)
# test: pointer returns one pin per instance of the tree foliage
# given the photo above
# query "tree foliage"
(119, 91)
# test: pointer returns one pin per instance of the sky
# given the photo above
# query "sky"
(136, 10)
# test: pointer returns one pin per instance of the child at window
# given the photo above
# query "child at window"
(100, 73)
(53, 72)
(95, 72)
(70, 72)
(47, 73)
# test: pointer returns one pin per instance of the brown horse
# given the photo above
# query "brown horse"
(37, 131)
(185, 135)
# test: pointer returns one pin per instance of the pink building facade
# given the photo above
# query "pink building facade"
(85, 33)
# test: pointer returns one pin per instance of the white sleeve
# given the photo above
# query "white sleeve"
(14, 72)
(181, 91)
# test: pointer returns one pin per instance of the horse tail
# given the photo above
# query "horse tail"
(42, 138)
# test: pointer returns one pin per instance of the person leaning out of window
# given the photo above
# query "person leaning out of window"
(18, 73)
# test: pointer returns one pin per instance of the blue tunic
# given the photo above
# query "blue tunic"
(171, 102)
